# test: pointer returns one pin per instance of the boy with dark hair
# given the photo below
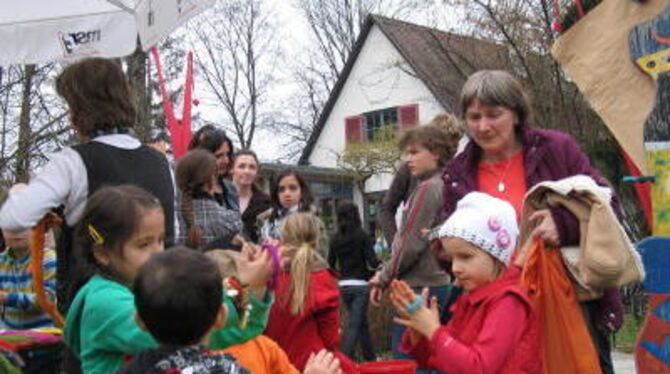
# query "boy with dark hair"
(179, 301)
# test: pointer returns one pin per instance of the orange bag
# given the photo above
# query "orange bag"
(566, 343)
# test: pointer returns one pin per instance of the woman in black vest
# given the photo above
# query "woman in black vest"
(103, 114)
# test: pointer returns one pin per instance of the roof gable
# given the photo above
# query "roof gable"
(441, 60)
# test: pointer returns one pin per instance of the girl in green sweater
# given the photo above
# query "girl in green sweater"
(120, 229)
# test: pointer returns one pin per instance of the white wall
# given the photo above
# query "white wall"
(378, 80)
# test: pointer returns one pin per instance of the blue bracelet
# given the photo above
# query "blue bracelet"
(414, 305)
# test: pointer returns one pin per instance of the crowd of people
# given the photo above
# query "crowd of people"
(192, 268)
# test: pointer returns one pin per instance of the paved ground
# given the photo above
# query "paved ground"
(624, 363)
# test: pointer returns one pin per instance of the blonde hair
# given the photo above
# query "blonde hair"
(300, 236)
(453, 127)
(226, 261)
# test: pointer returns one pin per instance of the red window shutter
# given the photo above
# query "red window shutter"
(354, 129)
(408, 116)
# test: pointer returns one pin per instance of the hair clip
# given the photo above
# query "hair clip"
(95, 235)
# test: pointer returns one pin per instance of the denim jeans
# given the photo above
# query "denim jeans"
(356, 301)
(442, 293)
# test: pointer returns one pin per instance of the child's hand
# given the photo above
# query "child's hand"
(323, 362)
(254, 268)
(271, 241)
(424, 320)
(376, 290)
(522, 253)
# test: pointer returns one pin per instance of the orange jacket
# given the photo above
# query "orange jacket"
(262, 355)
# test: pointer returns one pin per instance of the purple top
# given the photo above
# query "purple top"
(548, 155)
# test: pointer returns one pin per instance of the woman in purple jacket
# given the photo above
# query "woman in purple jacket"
(506, 157)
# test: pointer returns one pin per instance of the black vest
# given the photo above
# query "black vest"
(107, 165)
(144, 167)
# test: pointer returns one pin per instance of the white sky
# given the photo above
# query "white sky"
(295, 36)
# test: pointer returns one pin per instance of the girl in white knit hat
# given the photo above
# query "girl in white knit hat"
(494, 328)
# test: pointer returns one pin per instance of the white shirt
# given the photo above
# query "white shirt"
(63, 180)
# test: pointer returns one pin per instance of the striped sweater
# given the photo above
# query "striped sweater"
(20, 310)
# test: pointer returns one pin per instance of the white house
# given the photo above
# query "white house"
(398, 73)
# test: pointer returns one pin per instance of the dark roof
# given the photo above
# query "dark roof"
(442, 60)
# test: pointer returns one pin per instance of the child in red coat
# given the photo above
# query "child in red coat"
(305, 316)
(494, 328)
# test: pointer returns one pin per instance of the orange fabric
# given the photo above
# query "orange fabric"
(565, 340)
(37, 259)
(511, 172)
(262, 355)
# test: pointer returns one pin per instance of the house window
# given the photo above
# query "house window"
(362, 128)
(379, 118)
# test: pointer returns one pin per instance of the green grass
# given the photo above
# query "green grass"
(624, 339)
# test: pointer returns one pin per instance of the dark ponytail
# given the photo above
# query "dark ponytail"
(193, 232)
(194, 173)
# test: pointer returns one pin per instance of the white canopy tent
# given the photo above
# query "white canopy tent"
(39, 31)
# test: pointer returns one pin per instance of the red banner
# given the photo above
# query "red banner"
(180, 130)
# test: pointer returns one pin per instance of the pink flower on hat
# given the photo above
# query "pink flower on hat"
(503, 239)
(485, 221)
(494, 224)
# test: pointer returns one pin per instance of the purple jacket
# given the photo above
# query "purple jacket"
(547, 155)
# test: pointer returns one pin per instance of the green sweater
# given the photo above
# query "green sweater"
(100, 326)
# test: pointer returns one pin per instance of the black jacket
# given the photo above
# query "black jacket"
(195, 360)
(353, 255)
(259, 203)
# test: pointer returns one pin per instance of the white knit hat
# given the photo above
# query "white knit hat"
(486, 222)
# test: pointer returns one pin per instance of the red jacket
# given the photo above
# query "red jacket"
(316, 328)
(494, 330)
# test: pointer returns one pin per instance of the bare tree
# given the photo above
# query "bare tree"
(143, 80)
(136, 73)
(524, 27)
(237, 49)
(23, 159)
(335, 25)
(33, 121)
(334, 28)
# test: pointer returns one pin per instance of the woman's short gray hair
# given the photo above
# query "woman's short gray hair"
(497, 87)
